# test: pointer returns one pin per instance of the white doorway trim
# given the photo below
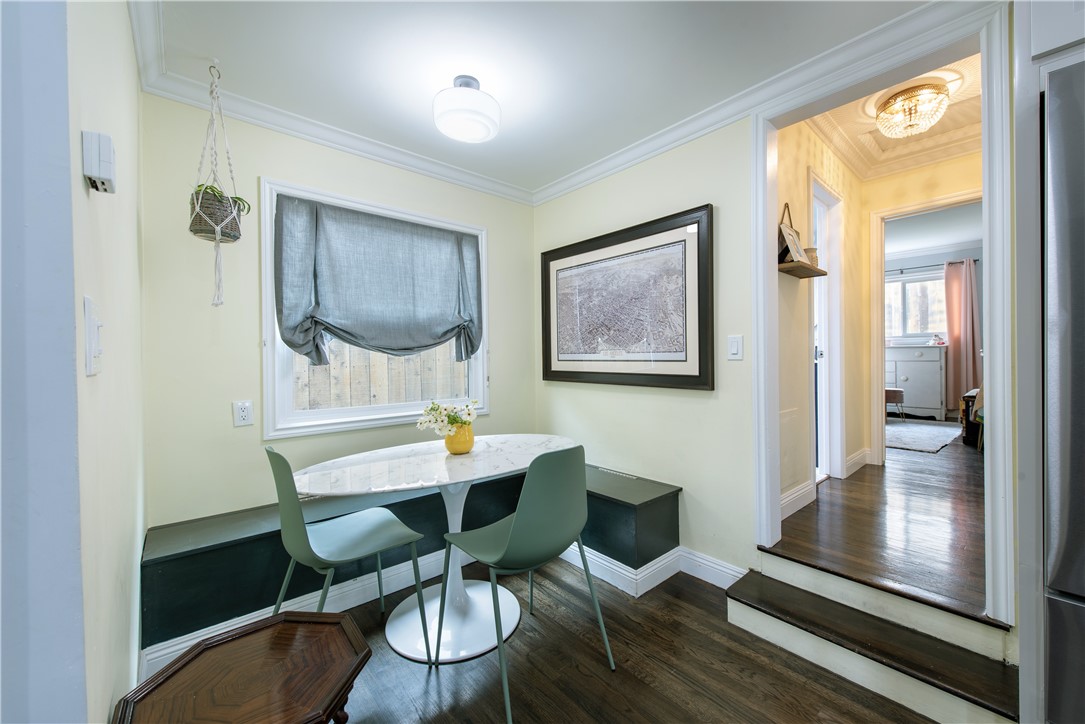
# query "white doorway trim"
(935, 33)
(766, 318)
(998, 316)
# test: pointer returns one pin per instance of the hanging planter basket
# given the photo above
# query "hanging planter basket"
(215, 215)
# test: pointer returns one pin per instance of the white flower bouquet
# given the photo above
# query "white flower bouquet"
(446, 419)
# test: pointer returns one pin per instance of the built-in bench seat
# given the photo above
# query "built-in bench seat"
(632, 520)
(199, 573)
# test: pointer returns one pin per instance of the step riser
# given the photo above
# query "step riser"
(923, 698)
(984, 640)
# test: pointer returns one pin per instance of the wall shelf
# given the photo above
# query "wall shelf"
(801, 269)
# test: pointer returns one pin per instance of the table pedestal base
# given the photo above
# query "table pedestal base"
(469, 629)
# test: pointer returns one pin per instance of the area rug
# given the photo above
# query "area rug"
(920, 435)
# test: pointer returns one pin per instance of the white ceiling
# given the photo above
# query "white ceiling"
(582, 85)
(951, 229)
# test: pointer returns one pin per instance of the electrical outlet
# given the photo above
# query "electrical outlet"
(242, 413)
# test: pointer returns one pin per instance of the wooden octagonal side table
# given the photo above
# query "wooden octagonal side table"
(293, 667)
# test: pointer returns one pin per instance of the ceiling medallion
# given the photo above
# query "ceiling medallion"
(913, 110)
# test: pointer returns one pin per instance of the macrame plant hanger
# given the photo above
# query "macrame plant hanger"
(216, 212)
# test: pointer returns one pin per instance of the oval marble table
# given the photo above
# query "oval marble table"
(469, 620)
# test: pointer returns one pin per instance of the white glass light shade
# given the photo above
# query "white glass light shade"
(465, 113)
(912, 111)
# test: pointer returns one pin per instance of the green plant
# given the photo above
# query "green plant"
(242, 205)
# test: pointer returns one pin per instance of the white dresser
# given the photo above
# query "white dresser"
(921, 372)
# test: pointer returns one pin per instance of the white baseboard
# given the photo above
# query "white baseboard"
(710, 570)
(857, 460)
(348, 594)
(637, 582)
(797, 498)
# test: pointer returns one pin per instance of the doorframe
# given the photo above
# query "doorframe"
(834, 335)
(937, 32)
(877, 301)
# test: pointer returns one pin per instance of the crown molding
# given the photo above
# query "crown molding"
(147, 26)
(912, 36)
(146, 19)
(867, 161)
(932, 250)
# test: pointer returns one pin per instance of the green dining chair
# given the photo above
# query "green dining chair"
(550, 515)
(329, 543)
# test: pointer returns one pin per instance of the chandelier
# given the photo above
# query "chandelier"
(913, 110)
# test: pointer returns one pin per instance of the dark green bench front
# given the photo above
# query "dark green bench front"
(196, 574)
(632, 520)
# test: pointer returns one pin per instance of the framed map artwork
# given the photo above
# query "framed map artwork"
(633, 307)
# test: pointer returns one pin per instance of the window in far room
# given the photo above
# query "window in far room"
(382, 310)
(915, 304)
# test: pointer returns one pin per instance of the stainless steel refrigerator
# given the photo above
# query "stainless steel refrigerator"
(1064, 391)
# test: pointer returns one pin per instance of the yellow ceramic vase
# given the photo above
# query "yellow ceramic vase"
(461, 441)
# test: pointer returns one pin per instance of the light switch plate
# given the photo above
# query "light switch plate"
(92, 337)
(734, 346)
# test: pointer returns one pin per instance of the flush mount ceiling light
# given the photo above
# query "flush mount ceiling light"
(465, 113)
(913, 110)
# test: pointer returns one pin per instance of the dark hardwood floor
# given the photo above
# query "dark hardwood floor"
(678, 661)
(914, 527)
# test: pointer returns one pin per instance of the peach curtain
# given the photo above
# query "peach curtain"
(964, 367)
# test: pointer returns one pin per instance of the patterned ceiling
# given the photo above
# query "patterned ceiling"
(851, 132)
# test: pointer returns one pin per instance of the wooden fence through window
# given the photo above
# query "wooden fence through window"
(356, 377)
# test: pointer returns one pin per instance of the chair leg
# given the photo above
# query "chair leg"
(595, 602)
(441, 614)
(324, 593)
(286, 582)
(501, 647)
(531, 593)
(380, 582)
(421, 601)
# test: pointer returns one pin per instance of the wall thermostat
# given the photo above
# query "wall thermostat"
(99, 162)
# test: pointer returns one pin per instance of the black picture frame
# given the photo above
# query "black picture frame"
(633, 307)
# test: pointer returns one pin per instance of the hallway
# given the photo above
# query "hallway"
(914, 527)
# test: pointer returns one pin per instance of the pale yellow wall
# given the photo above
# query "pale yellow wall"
(702, 441)
(948, 178)
(199, 358)
(800, 153)
(104, 97)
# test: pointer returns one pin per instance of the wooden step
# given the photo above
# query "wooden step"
(969, 676)
(979, 637)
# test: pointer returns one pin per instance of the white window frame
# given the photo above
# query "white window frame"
(280, 419)
(906, 278)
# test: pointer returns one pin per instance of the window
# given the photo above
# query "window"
(359, 388)
(915, 305)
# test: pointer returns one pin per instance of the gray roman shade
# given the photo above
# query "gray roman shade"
(375, 282)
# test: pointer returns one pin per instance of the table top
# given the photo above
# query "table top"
(425, 465)
(293, 667)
